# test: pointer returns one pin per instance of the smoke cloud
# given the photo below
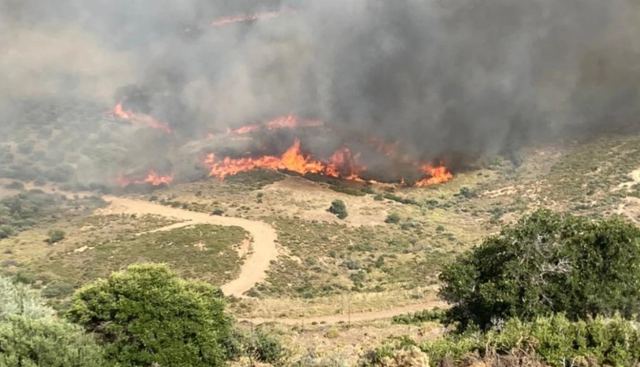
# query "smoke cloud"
(449, 81)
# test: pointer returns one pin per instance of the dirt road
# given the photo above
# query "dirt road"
(354, 317)
(253, 270)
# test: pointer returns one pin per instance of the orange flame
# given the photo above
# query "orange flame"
(344, 164)
(291, 160)
(152, 178)
(434, 175)
(140, 118)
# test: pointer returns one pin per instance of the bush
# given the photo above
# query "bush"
(547, 263)
(392, 218)
(147, 315)
(31, 335)
(266, 348)
(419, 317)
(57, 289)
(46, 342)
(555, 340)
(339, 208)
(6, 231)
(55, 235)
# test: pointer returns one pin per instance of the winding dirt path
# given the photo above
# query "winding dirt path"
(253, 270)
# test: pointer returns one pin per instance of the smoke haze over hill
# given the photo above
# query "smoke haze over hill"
(448, 80)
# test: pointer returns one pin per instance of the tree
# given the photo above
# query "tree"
(544, 264)
(31, 335)
(146, 314)
(339, 208)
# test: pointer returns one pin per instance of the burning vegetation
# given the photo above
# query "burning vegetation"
(343, 164)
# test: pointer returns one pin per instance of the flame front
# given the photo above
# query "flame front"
(140, 118)
(342, 164)
(434, 175)
(292, 160)
(152, 178)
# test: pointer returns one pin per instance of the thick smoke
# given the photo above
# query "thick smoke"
(452, 80)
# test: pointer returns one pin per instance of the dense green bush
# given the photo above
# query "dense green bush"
(31, 336)
(339, 208)
(266, 348)
(547, 263)
(47, 342)
(147, 315)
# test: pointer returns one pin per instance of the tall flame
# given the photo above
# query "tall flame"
(342, 164)
(434, 175)
(152, 178)
(140, 118)
(292, 160)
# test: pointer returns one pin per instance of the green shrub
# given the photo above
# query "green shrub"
(55, 235)
(547, 263)
(57, 289)
(147, 315)
(555, 340)
(31, 335)
(339, 208)
(266, 348)
(419, 317)
(47, 342)
(392, 218)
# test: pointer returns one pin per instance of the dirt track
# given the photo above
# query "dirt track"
(252, 271)
(354, 317)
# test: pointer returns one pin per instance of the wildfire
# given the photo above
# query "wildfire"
(140, 118)
(152, 178)
(341, 164)
(225, 21)
(434, 175)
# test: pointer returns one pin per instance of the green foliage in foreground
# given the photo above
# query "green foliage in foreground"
(555, 340)
(31, 336)
(547, 263)
(146, 315)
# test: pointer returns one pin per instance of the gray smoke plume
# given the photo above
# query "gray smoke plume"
(450, 81)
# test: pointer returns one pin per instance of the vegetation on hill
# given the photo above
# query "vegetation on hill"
(29, 208)
(547, 263)
(146, 315)
(31, 334)
(552, 290)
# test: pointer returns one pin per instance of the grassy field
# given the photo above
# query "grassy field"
(98, 245)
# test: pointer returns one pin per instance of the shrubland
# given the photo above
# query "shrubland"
(551, 290)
